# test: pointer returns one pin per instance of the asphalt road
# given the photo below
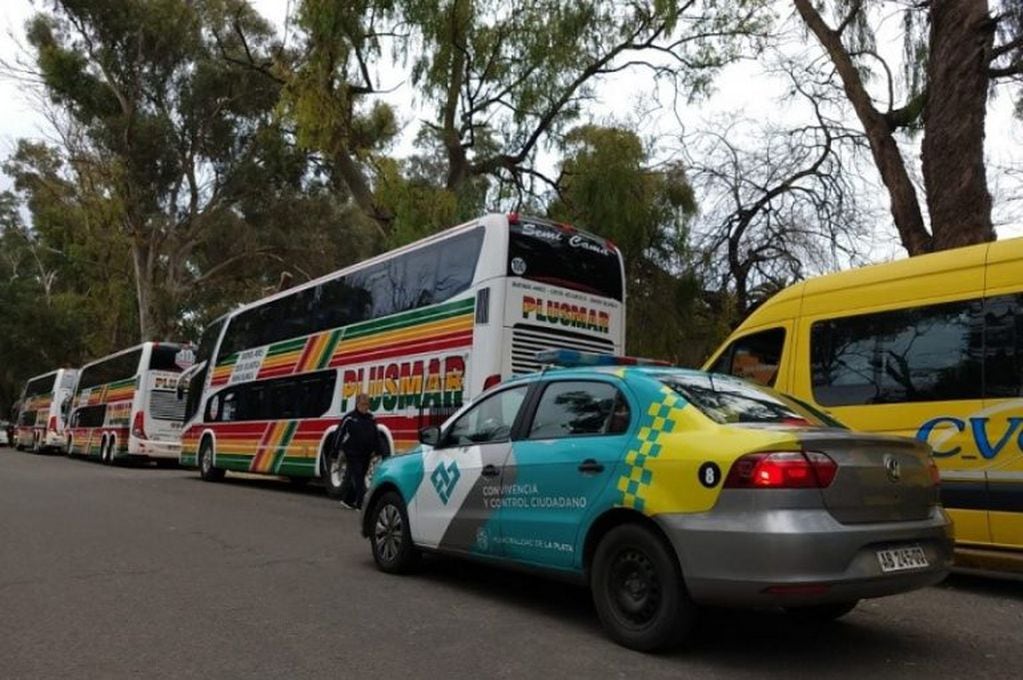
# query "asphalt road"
(139, 572)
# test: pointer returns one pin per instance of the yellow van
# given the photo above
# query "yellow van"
(929, 347)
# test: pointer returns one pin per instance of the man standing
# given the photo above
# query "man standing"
(357, 436)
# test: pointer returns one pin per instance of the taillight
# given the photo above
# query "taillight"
(138, 426)
(491, 381)
(932, 467)
(53, 424)
(782, 470)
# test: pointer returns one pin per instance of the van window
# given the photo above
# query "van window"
(755, 357)
(931, 353)
(1003, 346)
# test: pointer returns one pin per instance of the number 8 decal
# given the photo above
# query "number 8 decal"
(709, 475)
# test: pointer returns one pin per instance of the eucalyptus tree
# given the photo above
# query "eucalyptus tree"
(497, 83)
(168, 141)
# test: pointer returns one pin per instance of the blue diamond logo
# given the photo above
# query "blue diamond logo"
(444, 479)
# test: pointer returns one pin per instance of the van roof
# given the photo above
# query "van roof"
(884, 273)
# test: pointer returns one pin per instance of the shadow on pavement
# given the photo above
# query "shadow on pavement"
(990, 584)
(766, 641)
(263, 482)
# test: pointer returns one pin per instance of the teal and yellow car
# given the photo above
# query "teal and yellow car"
(664, 489)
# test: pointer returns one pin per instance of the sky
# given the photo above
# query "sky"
(743, 87)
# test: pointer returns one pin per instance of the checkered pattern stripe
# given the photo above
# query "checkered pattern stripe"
(662, 417)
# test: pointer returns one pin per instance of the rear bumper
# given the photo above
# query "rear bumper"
(153, 448)
(738, 557)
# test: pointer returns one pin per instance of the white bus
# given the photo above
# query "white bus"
(40, 421)
(420, 329)
(125, 405)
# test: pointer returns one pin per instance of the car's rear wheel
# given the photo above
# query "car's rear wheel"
(207, 471)
(390, 538)
(638, 590)
(821, 613)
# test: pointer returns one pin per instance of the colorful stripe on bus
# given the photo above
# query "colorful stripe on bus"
(281, 447)
(444, 326)
(291, 447)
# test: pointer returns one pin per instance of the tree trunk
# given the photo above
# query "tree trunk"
(905, 206)
(354, 179)
(144, 293)
(961, 40)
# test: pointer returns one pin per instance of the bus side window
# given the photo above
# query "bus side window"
(754, 357)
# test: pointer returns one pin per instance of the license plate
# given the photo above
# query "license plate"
(901, 559)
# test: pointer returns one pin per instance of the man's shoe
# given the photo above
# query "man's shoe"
(347, 506)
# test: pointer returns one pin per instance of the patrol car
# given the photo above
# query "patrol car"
(664, 489)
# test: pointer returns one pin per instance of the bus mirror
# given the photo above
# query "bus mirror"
(430, 435)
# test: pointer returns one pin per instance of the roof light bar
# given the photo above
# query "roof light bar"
(571, 357)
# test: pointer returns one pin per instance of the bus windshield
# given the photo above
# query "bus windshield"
(41, 385)
(165, 358)
(564, 257)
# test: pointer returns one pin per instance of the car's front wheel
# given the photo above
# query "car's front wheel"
(638, 590)
(390, 538)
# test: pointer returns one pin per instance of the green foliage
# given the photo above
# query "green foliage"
(608, 188)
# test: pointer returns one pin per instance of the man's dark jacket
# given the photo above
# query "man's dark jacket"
(357, 435)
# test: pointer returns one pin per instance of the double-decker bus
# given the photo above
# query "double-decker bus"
(419, 329)
(40, 421)
(125, 405)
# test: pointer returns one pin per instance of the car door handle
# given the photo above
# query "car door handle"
(590, 465)
(490, 471)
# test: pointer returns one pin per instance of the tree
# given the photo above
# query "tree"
(779, 202)
(607, 186)
(169, 142)
(949, 76)
(499, 81)
(43, 322)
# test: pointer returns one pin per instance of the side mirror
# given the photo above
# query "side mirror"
(430, 435)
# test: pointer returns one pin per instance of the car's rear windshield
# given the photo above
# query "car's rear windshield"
(726, 400)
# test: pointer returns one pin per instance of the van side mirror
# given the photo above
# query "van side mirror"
(430, 435)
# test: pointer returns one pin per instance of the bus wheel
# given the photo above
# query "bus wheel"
(103, 449)
(108, 453)
(206, 469)
(332, 472)
(35, 443)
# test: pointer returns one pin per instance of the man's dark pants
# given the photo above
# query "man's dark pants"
(353, 486)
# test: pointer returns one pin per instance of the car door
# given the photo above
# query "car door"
(454, 506)
(567, 456)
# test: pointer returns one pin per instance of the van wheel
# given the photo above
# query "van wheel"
(390, 539)
(821, 613)
(206, 469)
(638, 590)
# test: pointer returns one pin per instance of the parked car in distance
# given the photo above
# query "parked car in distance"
(664, 489)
